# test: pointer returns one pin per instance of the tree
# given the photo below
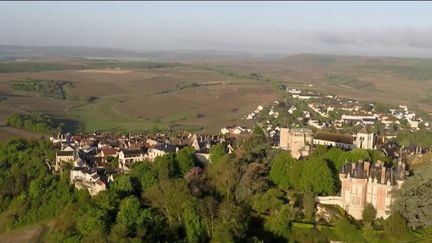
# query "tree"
(254, 180)
(185, 159)
(280, 168)
(308, 204)
(259, 132)
(268, 202)
(295, 174)
(225, 176)
(279, 223)
(194, 225)
(145, 174)
(166, 166)
(253, 148)
(92, 221)
(197, 183)
(123, 185)
(168, 196)
(369, 213)
(395, 225)
(359, 154)
(335, 157)
(317, 176)
(232, 221)
(217, 153)
(345, 231)
(129, 212)
(376, 155)
(413, 199)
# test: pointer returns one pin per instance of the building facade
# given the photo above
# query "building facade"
(127, 157)
(298, 141)
(364, 183)
(365, 140)
(333, 140)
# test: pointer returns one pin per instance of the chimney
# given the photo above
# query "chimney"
(383, 174)
(366, 166)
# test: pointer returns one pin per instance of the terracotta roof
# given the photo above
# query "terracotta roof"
(109, 151)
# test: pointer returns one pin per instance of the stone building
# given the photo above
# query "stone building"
(66, 155)
(365, 139)
(127, 157)
(86, 178)
(333, 140)
(297, 140)
(364, 183)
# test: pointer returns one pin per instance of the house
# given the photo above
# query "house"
(68, 155)
(126, 157)
(367, 120)
(315, 123)
(161, 150)
(334, 140)
(85, 178)
(203, 153)
(413, 124)
(233, 130)
(250, 116)
(294, 91)
(104, 154)
(297, 140)
(60, 138)
(364, 183)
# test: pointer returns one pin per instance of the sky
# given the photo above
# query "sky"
(359, 28)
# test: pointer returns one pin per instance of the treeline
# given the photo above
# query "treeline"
(33, 122)
(276, 84)
(133, 65)
(18, 67)
(48, 88)
(419, 138)
(256, 194)
(28, 191)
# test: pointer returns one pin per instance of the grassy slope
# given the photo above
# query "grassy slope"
(387, 80)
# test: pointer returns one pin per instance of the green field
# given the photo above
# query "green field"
(140, 96)
(134, 96)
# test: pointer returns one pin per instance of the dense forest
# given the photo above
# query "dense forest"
(56, 89)
(256, 194)
(35, 122)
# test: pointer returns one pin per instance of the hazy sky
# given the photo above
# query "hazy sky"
(366, 28)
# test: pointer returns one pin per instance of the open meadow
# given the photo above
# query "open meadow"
(135, 99)
(123, 96)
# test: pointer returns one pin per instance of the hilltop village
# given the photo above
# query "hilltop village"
(300, 124)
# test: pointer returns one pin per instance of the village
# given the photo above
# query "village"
(298, 125)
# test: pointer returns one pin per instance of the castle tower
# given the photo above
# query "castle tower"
(365, 139)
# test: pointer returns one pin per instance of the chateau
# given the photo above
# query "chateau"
(364, 183)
